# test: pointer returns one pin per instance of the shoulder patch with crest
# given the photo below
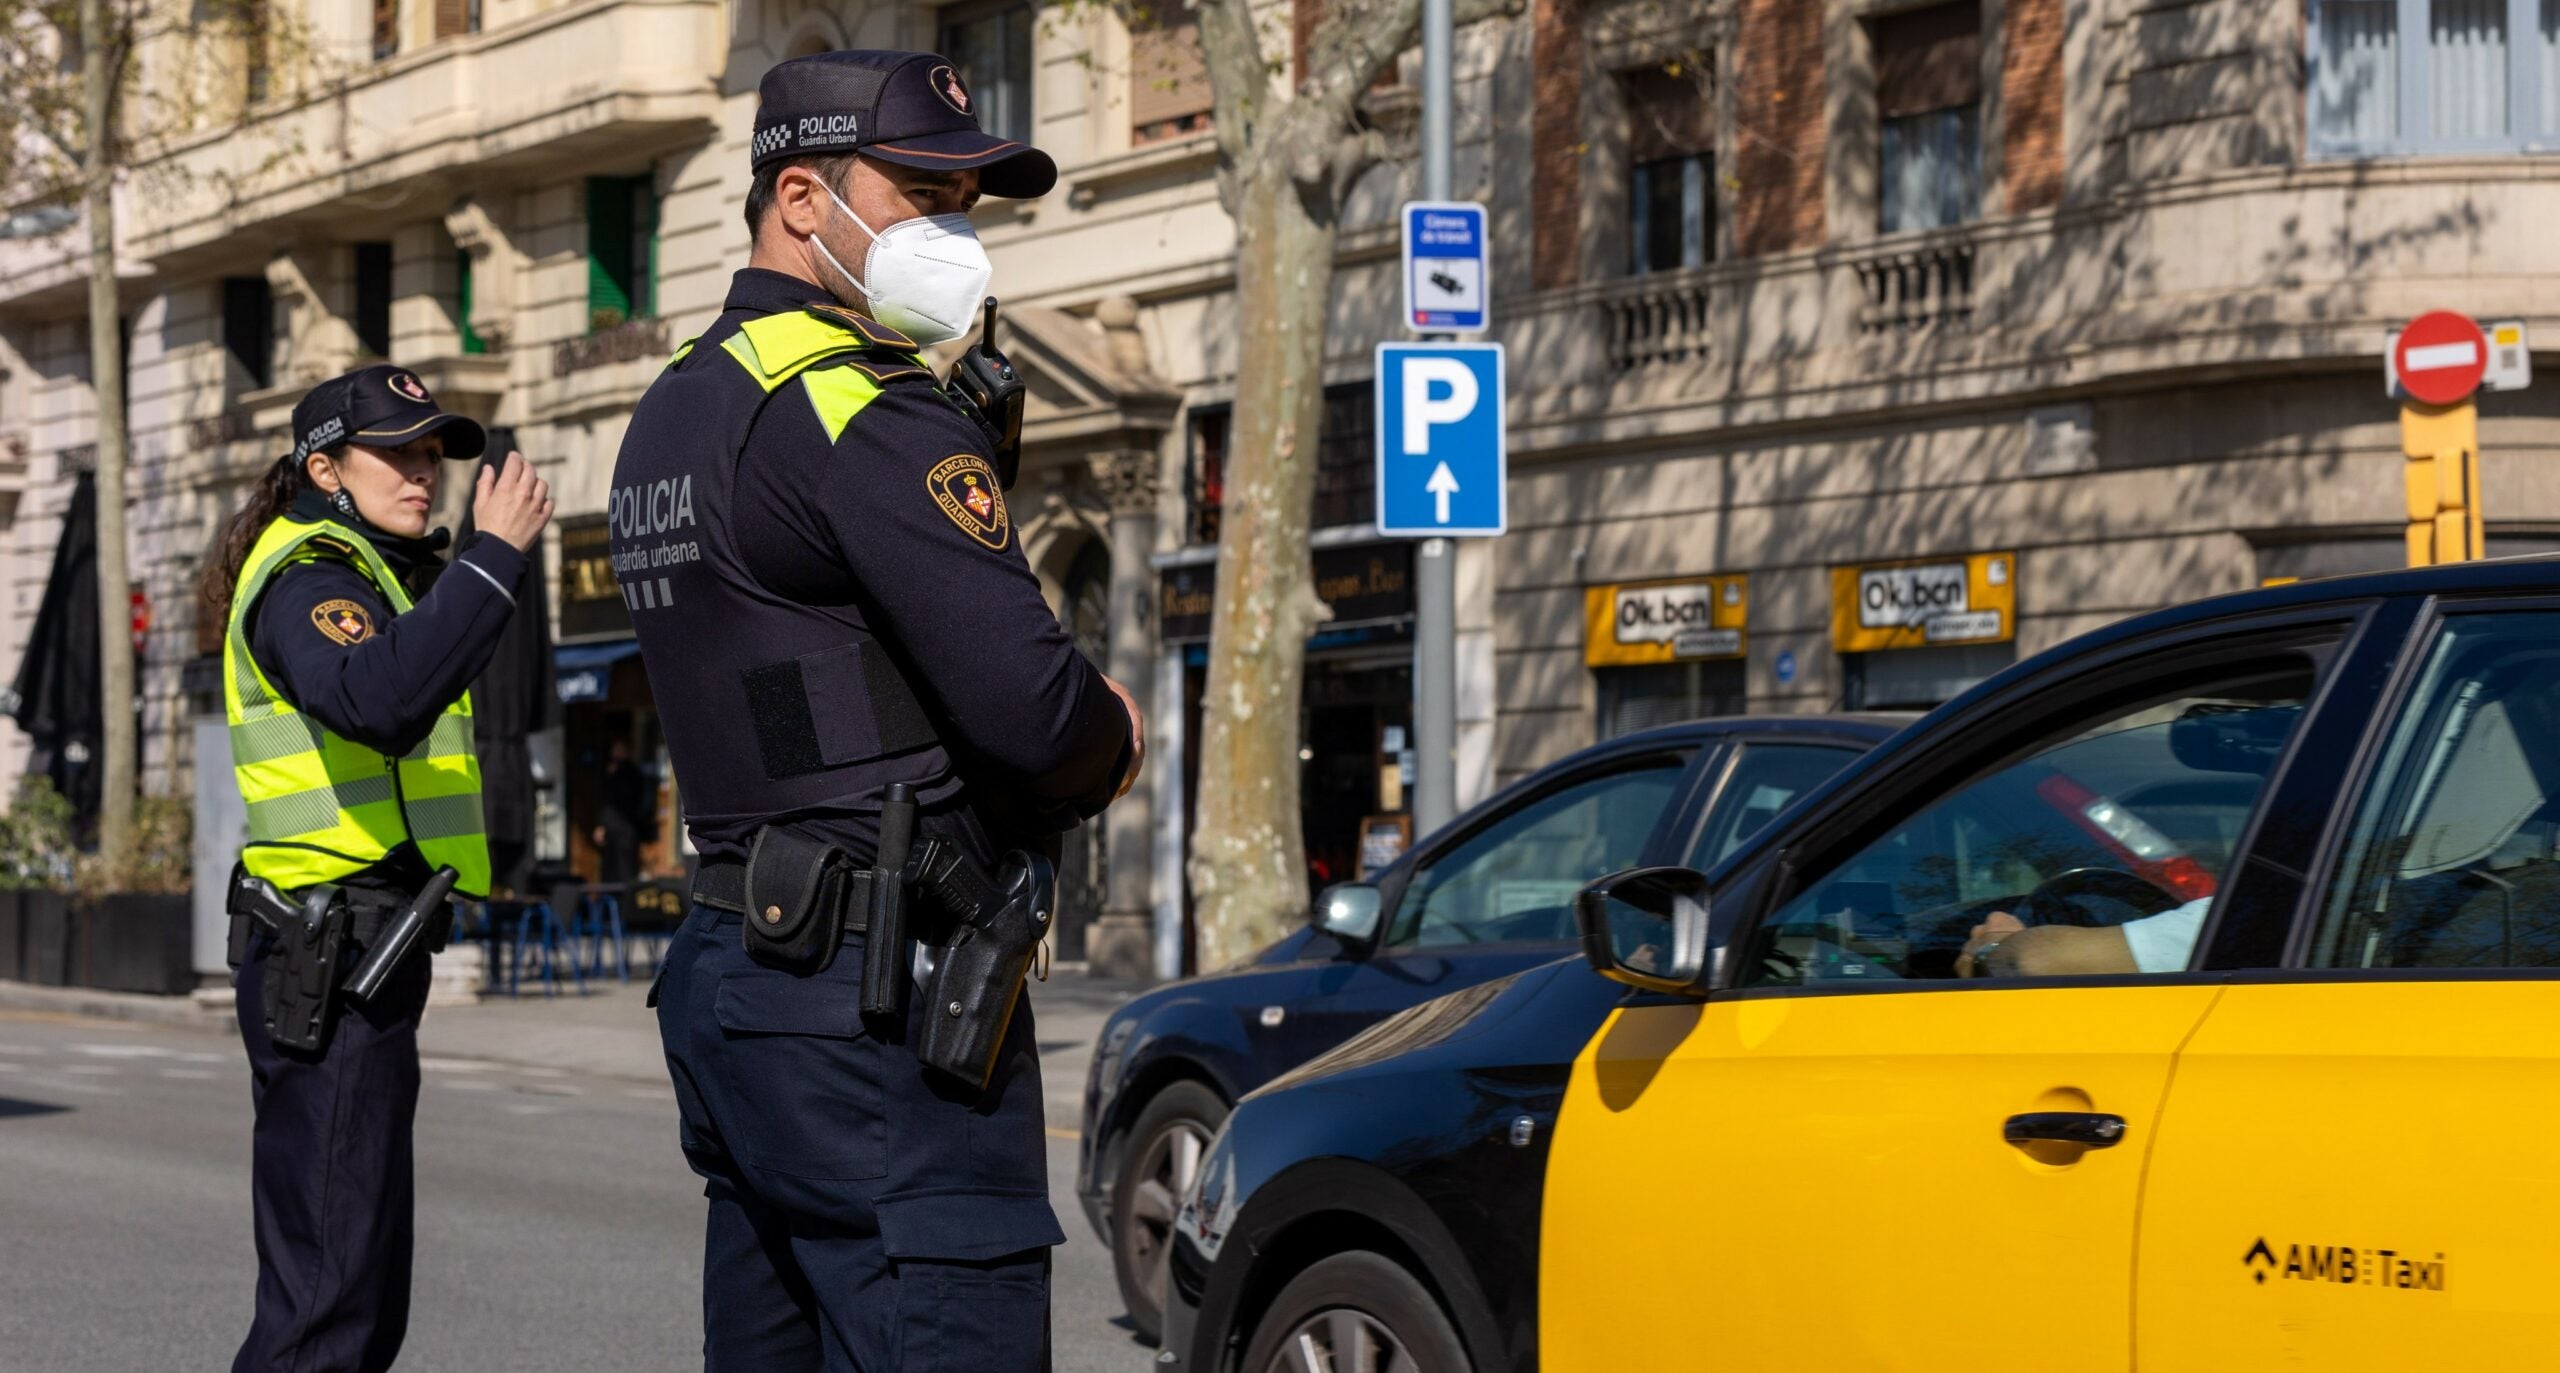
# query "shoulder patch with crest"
(343, 621)
(965, 487)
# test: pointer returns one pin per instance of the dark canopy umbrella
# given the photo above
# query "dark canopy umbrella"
(511, 700)
(57, 693)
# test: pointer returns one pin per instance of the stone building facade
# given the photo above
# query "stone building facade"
(1858, 347)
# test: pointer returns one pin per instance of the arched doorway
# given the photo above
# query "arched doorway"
(1084, 608)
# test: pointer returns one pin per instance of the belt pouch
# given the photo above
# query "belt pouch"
(796, 894)
(978, 978)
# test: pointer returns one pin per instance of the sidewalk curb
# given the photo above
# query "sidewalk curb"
(207, 1009)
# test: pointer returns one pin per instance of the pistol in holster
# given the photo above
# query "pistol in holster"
(989, 937)
(311, 941)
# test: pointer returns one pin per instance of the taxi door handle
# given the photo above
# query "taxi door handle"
(2089, 1128)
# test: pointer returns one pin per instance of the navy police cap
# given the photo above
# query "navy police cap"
(910, 108)
(380, 407)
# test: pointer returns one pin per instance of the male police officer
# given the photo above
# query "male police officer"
(832, 601)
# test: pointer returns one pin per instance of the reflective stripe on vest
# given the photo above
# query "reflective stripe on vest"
(323, 807)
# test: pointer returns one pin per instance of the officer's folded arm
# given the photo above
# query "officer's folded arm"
(935, 554)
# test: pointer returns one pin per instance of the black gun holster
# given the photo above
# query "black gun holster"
(312, 940)
(986, 943)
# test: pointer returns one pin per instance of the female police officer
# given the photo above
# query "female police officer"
(351, 739)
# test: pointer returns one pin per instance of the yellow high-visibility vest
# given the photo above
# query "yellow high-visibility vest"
(322, 807)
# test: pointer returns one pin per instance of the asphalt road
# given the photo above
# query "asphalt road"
(558, 1226)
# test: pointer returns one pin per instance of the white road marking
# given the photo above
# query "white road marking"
(72, 1085)
(469, 1085)
(122, 1050)
(22, 1050)
(532, 1110)
(189, 1074)
(90, 1070)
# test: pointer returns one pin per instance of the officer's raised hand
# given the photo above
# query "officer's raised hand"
(511, 504)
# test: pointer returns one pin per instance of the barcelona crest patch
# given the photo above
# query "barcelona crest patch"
(965, 487)
(343, 621)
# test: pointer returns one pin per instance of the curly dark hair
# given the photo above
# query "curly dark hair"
(272, 496)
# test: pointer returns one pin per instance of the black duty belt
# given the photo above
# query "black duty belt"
(721, 884)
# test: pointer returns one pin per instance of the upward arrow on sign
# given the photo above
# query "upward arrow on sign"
(1442, 485)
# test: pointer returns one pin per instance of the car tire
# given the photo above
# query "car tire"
(1163, 1153)
(1357, 1310)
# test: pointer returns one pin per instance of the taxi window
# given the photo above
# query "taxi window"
(2097, 852)
(2454, 858)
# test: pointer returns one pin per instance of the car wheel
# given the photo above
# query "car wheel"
(1155, 1170)
(1355, 1311)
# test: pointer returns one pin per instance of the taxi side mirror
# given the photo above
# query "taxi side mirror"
(1646, 927)
(1349, 912)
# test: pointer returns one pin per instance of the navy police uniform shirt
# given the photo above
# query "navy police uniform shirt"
(896, 526)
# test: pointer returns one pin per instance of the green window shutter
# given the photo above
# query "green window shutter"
(472, 343)
(644, 245)
(608, 251)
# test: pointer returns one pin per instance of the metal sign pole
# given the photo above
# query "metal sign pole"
(1435, 569)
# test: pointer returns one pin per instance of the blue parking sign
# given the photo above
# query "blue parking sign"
(1442, 467)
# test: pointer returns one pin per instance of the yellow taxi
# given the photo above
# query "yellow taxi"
(2182, 999)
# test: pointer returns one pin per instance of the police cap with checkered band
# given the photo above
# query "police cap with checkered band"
(910, 108)
(380, 407)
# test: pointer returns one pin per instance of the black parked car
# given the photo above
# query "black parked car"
(2255, 839)
(1489, 895)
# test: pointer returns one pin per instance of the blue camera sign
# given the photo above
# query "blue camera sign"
(1445, 254)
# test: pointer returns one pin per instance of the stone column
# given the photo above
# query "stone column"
(1121, 942)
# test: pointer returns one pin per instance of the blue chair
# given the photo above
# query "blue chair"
(600, 919)
(541, 936)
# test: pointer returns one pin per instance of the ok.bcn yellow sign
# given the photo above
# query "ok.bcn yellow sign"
(1630, 623)
(1924, 602)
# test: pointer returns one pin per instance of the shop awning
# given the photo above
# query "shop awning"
(585, 671)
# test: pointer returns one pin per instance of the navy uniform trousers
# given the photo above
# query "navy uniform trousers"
(867, 1214)
(331, 1187)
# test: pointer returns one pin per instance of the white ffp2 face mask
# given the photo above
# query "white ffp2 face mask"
(926, 277)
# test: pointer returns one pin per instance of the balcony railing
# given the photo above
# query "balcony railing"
(1927, 286)
(1656, 318)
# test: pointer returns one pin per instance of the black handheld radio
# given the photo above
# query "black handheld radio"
(990, 391)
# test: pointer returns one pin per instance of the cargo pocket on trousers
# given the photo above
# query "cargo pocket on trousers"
(972, 1279)
(800, 1080)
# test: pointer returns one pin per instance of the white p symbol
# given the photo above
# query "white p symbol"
(1421, 411)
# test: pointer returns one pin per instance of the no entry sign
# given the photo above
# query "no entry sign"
(2440, 358)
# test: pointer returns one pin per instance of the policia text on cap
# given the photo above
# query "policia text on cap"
(878, 728)
(351, 740)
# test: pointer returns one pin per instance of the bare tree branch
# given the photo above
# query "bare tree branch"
(1239, 84)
